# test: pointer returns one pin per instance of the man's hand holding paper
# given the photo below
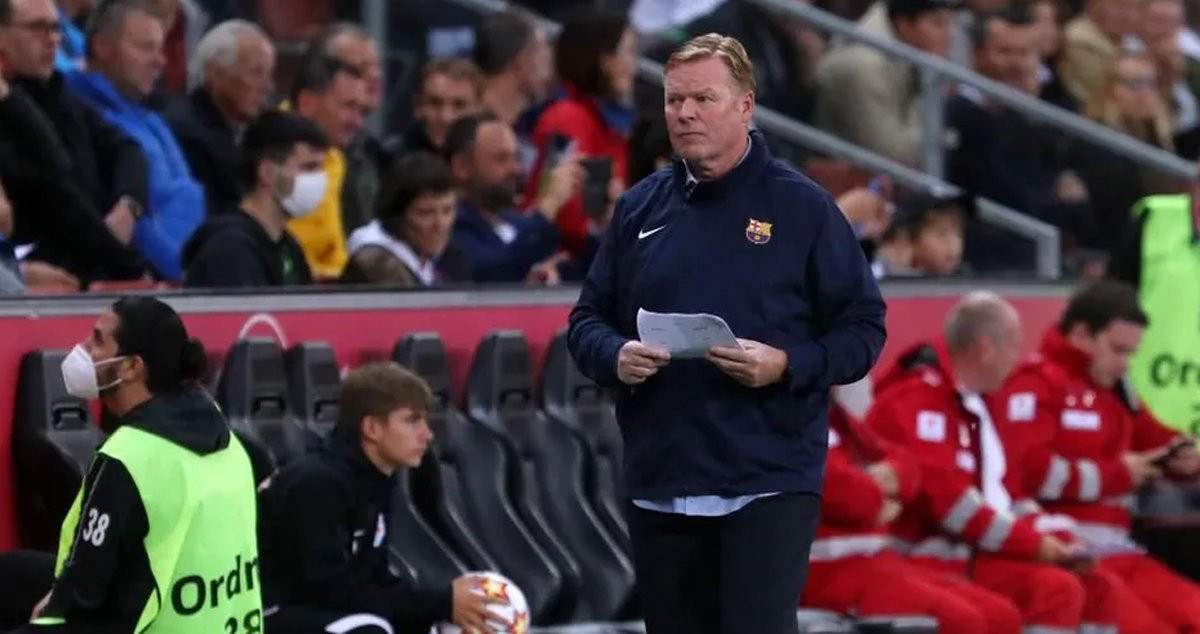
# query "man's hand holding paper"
(684, 335)
(754, 364)
(638, 361)
(697, 335)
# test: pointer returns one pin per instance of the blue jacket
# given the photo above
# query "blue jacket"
(768, 250)
(71, 49)
(176, 201)
(491, 259)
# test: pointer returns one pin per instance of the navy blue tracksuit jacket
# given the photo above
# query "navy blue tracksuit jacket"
(768, 250)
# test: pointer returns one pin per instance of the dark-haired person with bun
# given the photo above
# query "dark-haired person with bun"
(282, 172)
(161, 537)
(408, 243)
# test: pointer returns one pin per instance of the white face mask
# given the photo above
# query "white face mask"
(79, 374)
(308, 190)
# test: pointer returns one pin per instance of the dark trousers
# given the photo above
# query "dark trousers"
(737, 574)
(25, 577)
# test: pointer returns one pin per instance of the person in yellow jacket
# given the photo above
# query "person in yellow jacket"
(334, 96)
(161, 537)
(1161, 257)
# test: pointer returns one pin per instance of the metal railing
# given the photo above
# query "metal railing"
(934, 71)
(495, 6)
(375, 19)
(1045, 237)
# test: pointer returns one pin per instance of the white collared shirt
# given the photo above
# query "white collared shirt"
(690, 179)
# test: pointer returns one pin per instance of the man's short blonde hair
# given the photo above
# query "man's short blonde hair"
(727, 49)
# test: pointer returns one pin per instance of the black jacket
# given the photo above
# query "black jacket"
(368, 160)
(1126, 263)
(768, 250)
(323, 541)
(416, 140)
(232, 250)
(209, 143)
(106, 582)
(63, 168)
(997, 153)
(105, 164)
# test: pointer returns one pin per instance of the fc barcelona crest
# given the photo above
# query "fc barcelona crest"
(758, 232)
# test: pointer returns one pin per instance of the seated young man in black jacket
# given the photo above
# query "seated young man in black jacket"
(323, 521)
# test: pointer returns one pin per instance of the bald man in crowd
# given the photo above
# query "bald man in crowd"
(964, 524)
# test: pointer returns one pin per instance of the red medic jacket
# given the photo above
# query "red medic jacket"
(1068, 435)
(918, 406)
(851, 500)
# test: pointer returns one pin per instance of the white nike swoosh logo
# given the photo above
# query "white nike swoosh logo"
(647, 234)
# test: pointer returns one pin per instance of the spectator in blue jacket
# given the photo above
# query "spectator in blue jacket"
(125, 58)
(503, 243)
(70, 53)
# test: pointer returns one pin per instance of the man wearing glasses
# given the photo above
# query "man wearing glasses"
(99, 174)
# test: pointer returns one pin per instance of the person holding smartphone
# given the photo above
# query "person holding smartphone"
(596, 58)
(1083, 445)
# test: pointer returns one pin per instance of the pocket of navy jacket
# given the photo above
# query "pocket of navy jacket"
(783, 409)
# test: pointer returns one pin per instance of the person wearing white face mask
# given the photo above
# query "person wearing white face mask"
(161, 536)
(281, 168)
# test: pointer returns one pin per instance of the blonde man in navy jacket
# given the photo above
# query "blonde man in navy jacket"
(724, 455)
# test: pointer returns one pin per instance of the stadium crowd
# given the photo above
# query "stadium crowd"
(127, 150)
(167, 143)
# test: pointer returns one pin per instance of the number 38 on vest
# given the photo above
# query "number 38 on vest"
(200, 543)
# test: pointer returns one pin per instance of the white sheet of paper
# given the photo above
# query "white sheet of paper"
(684, 335)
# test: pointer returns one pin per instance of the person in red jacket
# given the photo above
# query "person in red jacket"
(933, 404)
(596, 57)
(852, 566)
(1084, 447)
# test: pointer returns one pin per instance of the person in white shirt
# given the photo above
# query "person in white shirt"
(408, 242)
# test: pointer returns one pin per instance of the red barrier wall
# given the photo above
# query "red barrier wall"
(359, 334)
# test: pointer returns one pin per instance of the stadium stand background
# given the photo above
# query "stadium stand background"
(296, 339)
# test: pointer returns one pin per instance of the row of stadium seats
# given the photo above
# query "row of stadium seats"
(525, 486)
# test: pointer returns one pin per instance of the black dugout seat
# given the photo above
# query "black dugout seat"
(440, 505)
(253, 394)
(572, 399)
(423, 557)
(462, 491)
(54, 438)
(550, 485)
(313, 380)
